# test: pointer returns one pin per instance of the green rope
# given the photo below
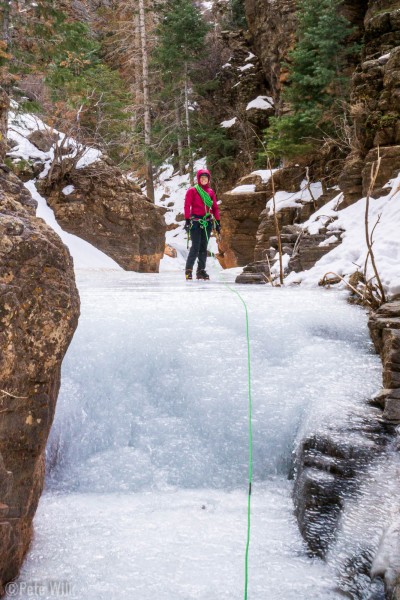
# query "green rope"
(250, 422)
(204, 196)
(204, 223)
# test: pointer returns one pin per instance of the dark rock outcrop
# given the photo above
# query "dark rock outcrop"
(247, 224)
(384, 326)
(43, 139)
(107, 210)
(375, 102)
(239, 80)
(240, 213)
(327, 466)
(273, 27)
(39, 308)
(311, 248)
(4, 103)
(327, 470)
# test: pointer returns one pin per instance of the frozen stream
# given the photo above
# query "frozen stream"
(146, 490)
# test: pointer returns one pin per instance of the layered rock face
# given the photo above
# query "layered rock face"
(375, 102)
(39, 308)
(384, 326)
(240, 103)
(100, 205)
(273, 27)
(240, 213)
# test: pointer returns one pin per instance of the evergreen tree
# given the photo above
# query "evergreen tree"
(63, 60)
(181, 41)
(316, 79)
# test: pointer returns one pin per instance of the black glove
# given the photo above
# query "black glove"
(187, 225)
(218, 226)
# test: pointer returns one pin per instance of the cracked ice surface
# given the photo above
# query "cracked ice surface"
(147, 459)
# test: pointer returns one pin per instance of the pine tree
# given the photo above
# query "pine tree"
(181, 40)
(316, 79)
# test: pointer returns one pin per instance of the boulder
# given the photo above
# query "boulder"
(240, 213)
(39, 308)
(107, 210)
(43, 139)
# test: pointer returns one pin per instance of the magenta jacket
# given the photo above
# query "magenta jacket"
(194, 205)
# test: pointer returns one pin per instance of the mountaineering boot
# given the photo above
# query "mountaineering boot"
(188, 274)
(202, 275)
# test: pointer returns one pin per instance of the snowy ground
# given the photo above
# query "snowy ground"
(171, 188)
(350, 256)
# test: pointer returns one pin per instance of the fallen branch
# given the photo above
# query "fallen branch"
(13, 395)
(325, 281)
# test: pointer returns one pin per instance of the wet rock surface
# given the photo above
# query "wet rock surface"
(107, 210)
(39, 308)
(384, 327)
(327, 472)
(328, 467)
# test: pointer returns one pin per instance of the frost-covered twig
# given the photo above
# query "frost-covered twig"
(374, 174)
(308, 187)
(277, 230)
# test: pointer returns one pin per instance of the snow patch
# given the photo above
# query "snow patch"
(261, 103)
(265, 174)
(246, 67)
(244, 189)
(69, 189)
(229, 123)
(84, 254)
(352, 253)
(330, 240)
(306, 193)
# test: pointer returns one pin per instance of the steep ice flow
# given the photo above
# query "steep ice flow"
(147, 459)
(155, 383)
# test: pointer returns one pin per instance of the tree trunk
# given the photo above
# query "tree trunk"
(4, 105)
(179, 138)
(146, 102)
(188, 136)
(5, 25)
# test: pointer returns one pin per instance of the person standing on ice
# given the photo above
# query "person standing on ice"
(201, 213)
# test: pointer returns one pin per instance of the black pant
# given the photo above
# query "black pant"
(199, 237)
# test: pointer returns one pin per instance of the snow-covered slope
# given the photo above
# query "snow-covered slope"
(350, 256)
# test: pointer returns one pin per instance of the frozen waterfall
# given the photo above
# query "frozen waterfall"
(147, 460)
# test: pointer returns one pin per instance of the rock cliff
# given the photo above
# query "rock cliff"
(272, 26)
(375, 102)
(102, 206)
(374, 106)
(39, 308)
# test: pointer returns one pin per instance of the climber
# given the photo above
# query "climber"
(201, 215)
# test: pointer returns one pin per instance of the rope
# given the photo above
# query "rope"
(250, 424)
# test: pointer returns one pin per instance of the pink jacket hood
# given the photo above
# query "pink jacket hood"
(201, 172)
(194, 205)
